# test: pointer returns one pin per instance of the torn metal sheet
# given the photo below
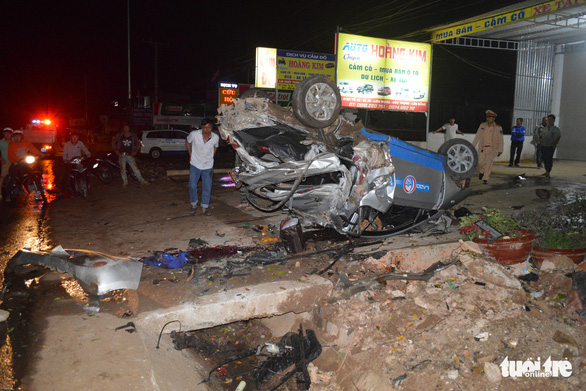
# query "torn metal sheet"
(96, 272)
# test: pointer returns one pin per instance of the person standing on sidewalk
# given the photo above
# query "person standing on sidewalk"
(536, 141)
(202, 146)
(126, 146)
(489, 138)
(450, 129)
(517, 140)
(549, 142)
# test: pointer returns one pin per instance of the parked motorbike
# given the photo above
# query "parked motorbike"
(106, 168)
(24, 177)
(79, 175)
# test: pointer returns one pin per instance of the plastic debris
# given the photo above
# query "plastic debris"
(168, 261)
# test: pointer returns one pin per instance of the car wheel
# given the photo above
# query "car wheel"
(254, 93)
(461, 158)
(317, 102)
(155, 153)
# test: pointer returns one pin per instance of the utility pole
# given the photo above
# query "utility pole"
(128, 39)
(156, 45)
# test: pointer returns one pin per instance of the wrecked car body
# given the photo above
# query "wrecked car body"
(97, 273)
(334, 173)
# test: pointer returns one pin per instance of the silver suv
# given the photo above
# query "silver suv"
(163, 142)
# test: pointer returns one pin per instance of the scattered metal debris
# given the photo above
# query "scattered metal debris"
(128, 327)
(96, 272)
(197, 243)
(292, 235)
(294, 350)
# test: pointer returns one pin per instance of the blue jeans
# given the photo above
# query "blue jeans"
(206, 185)
(538, 155)
(130, 159)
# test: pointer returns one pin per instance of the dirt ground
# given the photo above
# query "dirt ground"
(390, 334)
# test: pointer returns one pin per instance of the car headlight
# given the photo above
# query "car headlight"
(380, 181)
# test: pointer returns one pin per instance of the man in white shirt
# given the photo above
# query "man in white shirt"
(202, 146)
(72, 149)
(451, 129)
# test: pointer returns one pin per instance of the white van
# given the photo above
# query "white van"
(156, 143)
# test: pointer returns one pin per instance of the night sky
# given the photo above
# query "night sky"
(55, 53)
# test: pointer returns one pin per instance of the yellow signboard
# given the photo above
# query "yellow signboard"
(294, 66)
(504, 19)
(381, 74)
(266, 68)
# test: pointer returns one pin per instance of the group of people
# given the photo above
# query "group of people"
(489, 141)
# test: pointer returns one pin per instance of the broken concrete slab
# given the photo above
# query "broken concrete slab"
(490, 271)
(267, 299)
(417, 259)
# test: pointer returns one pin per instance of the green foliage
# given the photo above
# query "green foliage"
(560, 225)
(493, 217)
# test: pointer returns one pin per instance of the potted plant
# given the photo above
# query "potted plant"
(498, 235)
(560, 226)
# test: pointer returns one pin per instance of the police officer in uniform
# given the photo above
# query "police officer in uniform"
(489, 138)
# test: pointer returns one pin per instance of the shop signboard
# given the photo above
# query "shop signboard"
(227, 93)
(142, 116)
(382, 74)
(504, 19)
(294, 66)
(266, 68)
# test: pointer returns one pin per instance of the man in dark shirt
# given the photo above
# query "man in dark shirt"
(126, 146)
(517, 140)
(549, 143)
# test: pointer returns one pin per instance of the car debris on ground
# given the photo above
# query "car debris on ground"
(96, 272)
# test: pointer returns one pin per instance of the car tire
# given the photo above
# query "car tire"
(461, 158)
(155, 153)
(254, 93)
(317, 102)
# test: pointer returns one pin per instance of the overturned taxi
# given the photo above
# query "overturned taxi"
(327, 170)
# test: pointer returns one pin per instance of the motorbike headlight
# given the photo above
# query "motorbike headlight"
(30, 159)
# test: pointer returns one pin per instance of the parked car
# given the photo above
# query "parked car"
(384, 91)
(332, 172)
(365, 89)
(156, 143)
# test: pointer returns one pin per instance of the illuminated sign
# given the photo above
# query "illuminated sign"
(381, 74)
(294, 66)
(227, 93)
(504, 19)
(266, 68)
